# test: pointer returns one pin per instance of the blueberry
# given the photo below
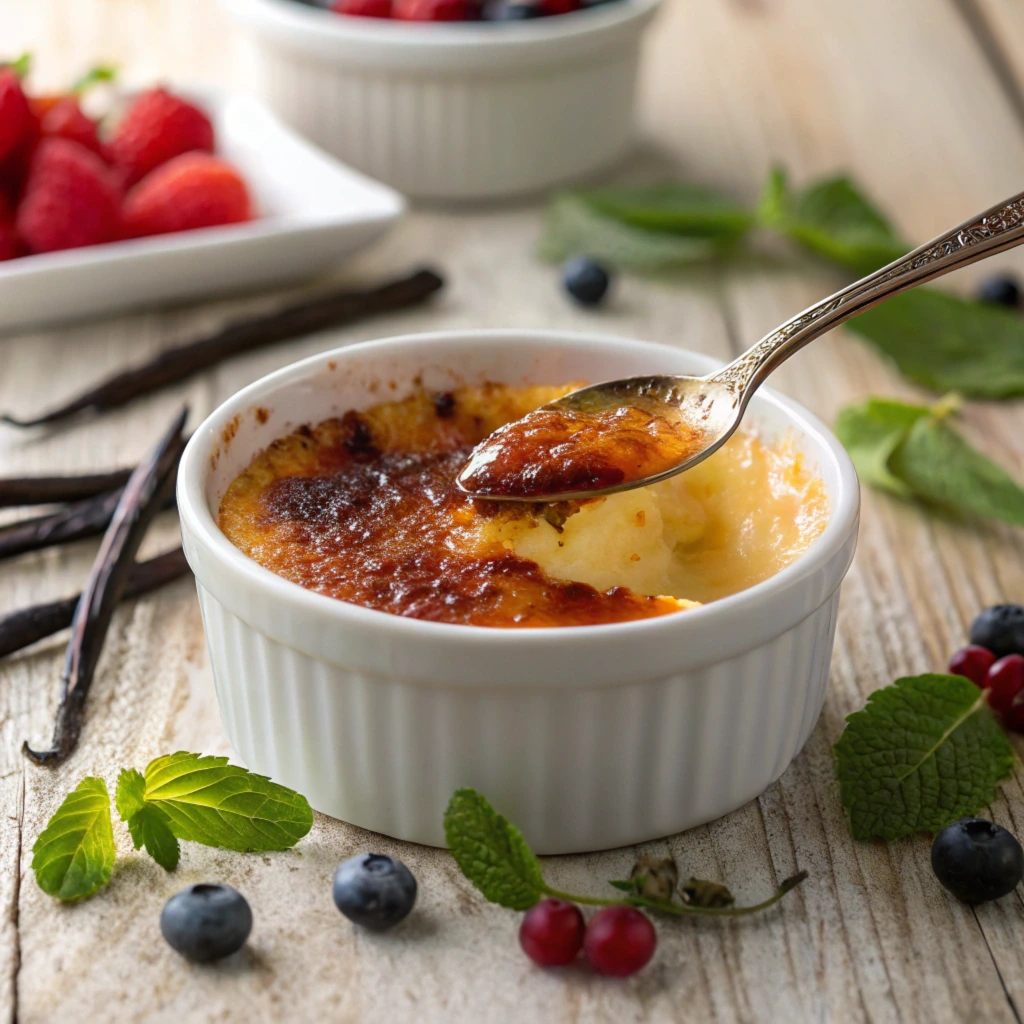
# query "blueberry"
(1003, 291)
(374, 891)
(504, 10)
(206, 922)
(976, 860)
(585, 280)
(1000, 629)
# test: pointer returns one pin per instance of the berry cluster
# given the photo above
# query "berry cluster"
(994, 661)
(616, 940)
(63, 185)
(459, 10)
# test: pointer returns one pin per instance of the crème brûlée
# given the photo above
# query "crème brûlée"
(364, 508)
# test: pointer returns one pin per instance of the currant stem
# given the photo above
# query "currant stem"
(682, 909)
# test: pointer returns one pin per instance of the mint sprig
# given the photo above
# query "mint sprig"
(180, 796)
(73, 857)
(831, 219)
(495, 857)
(913, 452)
(923, 752)
(949, 344)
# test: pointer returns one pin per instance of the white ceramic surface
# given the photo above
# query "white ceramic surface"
(313, 211)
(586, 737)
(455, 110)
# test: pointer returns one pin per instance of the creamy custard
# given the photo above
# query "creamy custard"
(364, 508)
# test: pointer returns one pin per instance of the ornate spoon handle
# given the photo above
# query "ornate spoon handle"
(997, 229)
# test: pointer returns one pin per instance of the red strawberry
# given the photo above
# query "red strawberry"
(548, 7)
(15, 116)
(363, 8)
(194, 190)
(435, 10)
(156, 128)
(9, 243)
(70, 199)
(64, 119)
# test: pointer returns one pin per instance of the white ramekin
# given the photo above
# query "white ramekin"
(587, 737)
(454, 110)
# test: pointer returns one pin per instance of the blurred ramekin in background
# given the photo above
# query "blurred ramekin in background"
(455, 110)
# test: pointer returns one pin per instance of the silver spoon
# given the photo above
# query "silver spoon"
(708, 409)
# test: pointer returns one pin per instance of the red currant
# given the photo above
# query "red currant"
(972, 662)
(1005, 680)
(619, 941)
(552, 932)
(363, 8)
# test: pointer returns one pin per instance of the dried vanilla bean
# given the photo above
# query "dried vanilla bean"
(27, 626)
(47, 490)
(86, 518)
(177, 364)
(140, 502)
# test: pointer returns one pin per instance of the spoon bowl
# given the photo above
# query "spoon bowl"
(638, 431)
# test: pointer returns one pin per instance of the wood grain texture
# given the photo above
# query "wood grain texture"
(905, 98)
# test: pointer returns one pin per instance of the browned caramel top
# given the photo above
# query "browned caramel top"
(562, 451)
(364, 508)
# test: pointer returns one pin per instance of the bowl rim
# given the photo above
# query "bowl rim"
(316, 29)
(199, 524)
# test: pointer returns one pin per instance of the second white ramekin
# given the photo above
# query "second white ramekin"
(586, 737)
(455, 111)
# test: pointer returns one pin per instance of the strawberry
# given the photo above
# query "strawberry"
(194, 190)
(156, 128)
(363, 8)
(9, 244)
(64, 119)
(15, 116)
(70, 199)
(435, 10)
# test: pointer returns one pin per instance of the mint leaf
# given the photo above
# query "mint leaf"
(671, 207)
(940, 466)
(149, 826)
(492, 853)
(913, 452)
(830, 218)
(949, 344)
(73, 856)
(208, 801)
(130, 794)
(871, 433)
(924, 752)
(574, 228)
(94, 76)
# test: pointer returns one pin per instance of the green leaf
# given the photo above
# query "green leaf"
(151, 828)
(208, 801)
(923, 752)
(94, 76)
(148, 824)
(940, 466)
(830, 218)
(21, 66)
(492, 853)
(672, 207)
(949, 344)
(74, 855)
(913, 452)
(130, 794)
(871, 433)
(574, 228)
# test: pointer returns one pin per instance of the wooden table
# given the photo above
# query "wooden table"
(920, 101)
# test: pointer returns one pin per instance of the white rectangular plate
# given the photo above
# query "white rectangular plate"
(311, 212)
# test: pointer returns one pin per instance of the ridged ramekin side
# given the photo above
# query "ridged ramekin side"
(577, 768)
(458, 135)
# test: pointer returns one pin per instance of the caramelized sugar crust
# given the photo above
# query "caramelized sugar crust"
(365, 509)
(562, 451)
